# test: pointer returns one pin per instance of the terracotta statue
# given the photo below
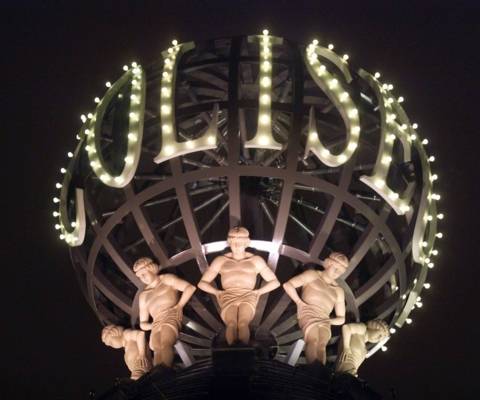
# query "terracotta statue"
(159, 299)
(238, 270)
(353, 349)
(320, 295)
(137, 357)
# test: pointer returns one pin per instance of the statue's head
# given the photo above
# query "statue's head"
(335, 265)
(112, 335)
(146, 270)
(377, 330)
(238, 238)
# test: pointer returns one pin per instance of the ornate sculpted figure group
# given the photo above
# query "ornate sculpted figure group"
(162, 300)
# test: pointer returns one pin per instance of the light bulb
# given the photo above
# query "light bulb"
(427, 285)
(353, 113)
(108, 84)
(265, 99)
(343, 97)
(393, 195)
(56, 213)
(266, 81)
(333, 83)
(56, 200)
(264, 119)
(440, 216)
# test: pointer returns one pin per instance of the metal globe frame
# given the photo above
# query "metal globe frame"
(297, 208)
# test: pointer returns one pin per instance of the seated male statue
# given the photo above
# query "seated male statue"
(238, 271)
(160, 300)
(320, 295)
(352, 347)
(137, 357)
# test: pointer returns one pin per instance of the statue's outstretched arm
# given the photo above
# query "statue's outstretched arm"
(339, 318)
(267, 274)
(299, 281)
(141, 344)
(181, 285)
(143, 314)
(210, 274)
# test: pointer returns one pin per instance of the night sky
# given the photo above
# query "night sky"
(55, 59)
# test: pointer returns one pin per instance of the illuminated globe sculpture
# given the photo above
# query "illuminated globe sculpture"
(309, 153)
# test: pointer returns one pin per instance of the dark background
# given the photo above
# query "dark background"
(56, 58)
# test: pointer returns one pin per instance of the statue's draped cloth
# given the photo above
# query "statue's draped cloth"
(170, 317)
(235, 297)
(313, 315)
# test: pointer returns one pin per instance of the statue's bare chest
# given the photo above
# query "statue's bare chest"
(161, 291)
(238, 266)
(319, 287)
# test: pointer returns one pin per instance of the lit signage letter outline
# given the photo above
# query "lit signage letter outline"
(390, 130)
(136, 76)
(76, 236)
(263, 136)
(170, 147)
(333, 88)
